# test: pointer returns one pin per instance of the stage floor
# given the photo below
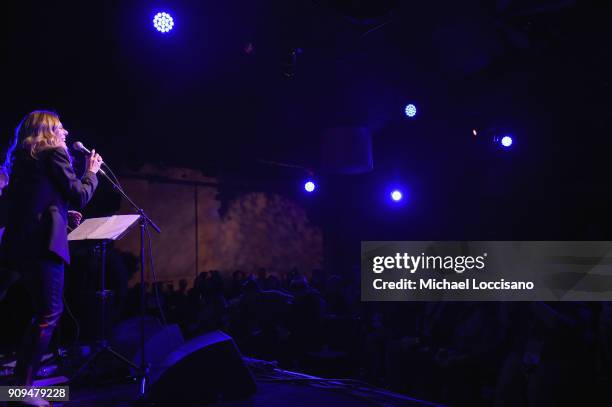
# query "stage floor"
(269, 394)
(275, 388)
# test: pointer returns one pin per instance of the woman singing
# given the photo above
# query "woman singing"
(41, 186)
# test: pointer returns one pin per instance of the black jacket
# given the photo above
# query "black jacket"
(34, 205)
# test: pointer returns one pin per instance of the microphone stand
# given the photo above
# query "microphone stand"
(143, 370)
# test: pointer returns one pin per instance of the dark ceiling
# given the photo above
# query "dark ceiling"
(239, 81)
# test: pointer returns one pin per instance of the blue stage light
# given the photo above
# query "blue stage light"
(410, 110)
(506, 141)
(163, 22)
(309, 186)
(396, 195)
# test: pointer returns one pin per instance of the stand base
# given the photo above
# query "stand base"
(104, 347)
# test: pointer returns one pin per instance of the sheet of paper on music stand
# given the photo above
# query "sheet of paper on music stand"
(110, 228)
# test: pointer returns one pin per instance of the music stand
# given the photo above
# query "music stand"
(144, 221)
(103, 231)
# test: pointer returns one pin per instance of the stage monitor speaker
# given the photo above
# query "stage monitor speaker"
(159, 345)
(206, 369)
(159, 340)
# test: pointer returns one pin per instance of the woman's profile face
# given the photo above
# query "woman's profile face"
(61, 133)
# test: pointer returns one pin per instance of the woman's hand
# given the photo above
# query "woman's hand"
(94, 162)
(74, 219)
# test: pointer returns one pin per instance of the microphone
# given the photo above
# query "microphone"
(78, 146)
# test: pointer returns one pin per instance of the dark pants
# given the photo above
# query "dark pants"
(44, 279)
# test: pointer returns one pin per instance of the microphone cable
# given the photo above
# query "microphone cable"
(76, 323)
(113, 175)
(152, 268)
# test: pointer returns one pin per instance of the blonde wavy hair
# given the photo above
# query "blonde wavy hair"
(38, 132)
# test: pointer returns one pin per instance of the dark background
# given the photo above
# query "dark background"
(196, 98)
(201, 97)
